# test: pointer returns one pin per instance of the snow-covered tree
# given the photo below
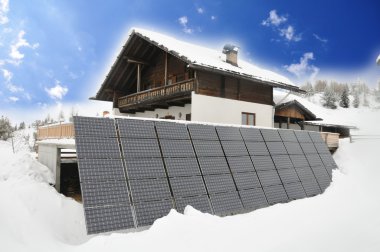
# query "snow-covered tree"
(309, 89)
(5, 128)
(344, 99)
(72, 114)
(61, 116)
(320, 86)
(328, 98)
(21, 126)
(356, 101)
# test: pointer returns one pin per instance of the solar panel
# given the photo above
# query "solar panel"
(282, 162)
(311, 187)
(170, 130)
(228, 133)
(328, 160)
(187, 186)
(234, 148)
(108, 218)
(240, 164)
(100, 169)
(308, 148)
(251, 135)
(316, 137)
(275, 194)
(104, 193)
(177, 167)
(208, 148)
(293, 148)
(303, 136)
(148, 212)
(132, 128)
(322, 148)
(213, 165)
(97, 148)
(295, 190)
(200, 203)
(140, 148)
(219, 183)
(145, 168)
(270, 135)
(263, 163)
(314, 160)
(268, 178)
(226, 203)
(149, 189)
(287, 136)
(305, 173)
(177, 148)
(253, 198)
(299, 161)
(202, 132)
(257, 148)
(95, 127)
(276, 148)
(246, 180)
(288, 176)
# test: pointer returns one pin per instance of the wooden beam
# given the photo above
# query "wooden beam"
(166, 69)
(141, 62)
(138, 77)
(176, 103)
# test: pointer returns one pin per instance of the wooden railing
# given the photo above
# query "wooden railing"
(56, 131)
(331, 139)
(156, 94)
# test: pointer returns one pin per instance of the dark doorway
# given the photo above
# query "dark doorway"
(70, 185)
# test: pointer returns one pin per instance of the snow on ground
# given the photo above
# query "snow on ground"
(34, 217)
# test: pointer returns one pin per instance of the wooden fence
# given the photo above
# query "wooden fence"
(331, 139)
(57, 131)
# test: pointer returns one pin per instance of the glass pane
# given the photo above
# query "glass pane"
(251, 119)
(243, 119)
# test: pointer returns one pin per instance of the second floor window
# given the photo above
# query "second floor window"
(248, 118)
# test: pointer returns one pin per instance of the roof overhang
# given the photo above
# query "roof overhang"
(310, 115)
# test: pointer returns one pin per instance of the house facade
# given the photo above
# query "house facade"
(157, 76)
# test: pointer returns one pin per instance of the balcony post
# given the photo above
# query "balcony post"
(138, 77)
(166, 69)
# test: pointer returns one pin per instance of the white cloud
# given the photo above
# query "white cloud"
(57, 92)
(183, 21)
(8, 82)
(378, 60)
(323, 40)
(200, 10)
(274, 19)
(15, 53)
(289, 34)
(304, 68)
(4, 8)
(213, 17)
(14, 98)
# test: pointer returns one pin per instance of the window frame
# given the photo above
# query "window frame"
(247, 115)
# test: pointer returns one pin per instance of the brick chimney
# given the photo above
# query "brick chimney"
(231, 52)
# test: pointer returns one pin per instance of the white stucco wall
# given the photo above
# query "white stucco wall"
(220, 110)
(173, 111)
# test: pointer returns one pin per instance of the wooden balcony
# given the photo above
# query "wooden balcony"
(56, 131)
(176, 94)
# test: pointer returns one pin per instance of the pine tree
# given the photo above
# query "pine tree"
(328, 98)
(21, 126)
(356, 101)
(5, 128)
(344, 99)
(61, 116)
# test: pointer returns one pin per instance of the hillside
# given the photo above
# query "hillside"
(34, 217)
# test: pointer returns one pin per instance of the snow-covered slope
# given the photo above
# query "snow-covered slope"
(34, 217)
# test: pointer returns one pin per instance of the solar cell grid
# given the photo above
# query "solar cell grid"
(149, 189)
(100, 169)
(257, 149)
(228, 133)
(287, 136)
(131, 128)
(219, 183)
(314, 160)
(145, 168)
(305, 173)
(253, 198)
(226, 203)
(263, 163)
(251, 135)
(213, 165)
(108, 218)
(200, 203)
(293, 148)
(276, 148)
(187, 186)
(246, 180)
(240, 164)
(311, 187)
(202, 132)
(308, 148)
(140, 148)
(270, 135)
(320, 172)
(170, 130)
(288, 175)
(208, 148)
(177, 167)
(234, 148)
(302, 136)
(299, 161)
(148, 212)
(268, 178)
(177, 148)
(282, 162)
(322, 148)
(295, 191)
(316, 137)
(275, 194)
(104, 193)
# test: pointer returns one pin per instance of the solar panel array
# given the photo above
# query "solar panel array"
(133, 172)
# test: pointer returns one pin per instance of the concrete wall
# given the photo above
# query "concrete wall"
(49, 155)
(173, 111)
(220, 110)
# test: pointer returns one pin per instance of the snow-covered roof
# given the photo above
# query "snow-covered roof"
(210, 58)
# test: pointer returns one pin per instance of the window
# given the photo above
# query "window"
(248, 118)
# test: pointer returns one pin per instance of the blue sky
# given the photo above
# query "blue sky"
(58, 52)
